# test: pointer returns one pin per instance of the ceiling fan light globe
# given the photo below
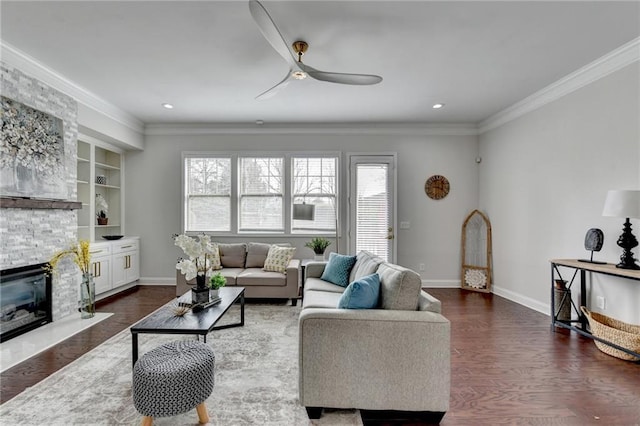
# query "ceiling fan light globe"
(299, 75)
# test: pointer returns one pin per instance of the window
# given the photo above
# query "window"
(314, 182)
(235, 193)
(261, 194)
(208, 194)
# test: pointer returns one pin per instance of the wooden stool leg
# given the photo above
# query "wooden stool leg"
(147, 421)
(203, 416)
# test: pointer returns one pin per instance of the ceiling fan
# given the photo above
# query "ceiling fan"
(297, 69)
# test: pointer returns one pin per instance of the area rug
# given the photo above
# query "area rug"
(256, 380)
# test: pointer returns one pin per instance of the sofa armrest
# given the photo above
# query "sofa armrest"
(293, 273)
(374, 359)
(314, 269)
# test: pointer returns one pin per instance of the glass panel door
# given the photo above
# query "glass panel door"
(372, 202)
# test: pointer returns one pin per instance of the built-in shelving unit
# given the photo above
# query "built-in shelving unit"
(114, 264)
(99, 173)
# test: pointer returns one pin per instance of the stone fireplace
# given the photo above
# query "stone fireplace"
(25, 300)
(30, 236)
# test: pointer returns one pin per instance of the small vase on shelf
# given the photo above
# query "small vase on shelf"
(87, 296)
(103, 220)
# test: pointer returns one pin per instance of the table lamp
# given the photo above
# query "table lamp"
(624, 203)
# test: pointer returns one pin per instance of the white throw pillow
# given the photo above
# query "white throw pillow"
(278, 259)
(214, 259)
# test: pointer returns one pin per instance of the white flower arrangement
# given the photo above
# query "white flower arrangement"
(102, 208)
(198, 249)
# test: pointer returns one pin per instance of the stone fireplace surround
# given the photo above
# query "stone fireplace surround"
(31, 236)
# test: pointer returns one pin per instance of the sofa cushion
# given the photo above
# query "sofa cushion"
(320, 299)
(231, 274)
(338, 269)
(232, 255)
(317, 284)
(399, 287)
(257, 254)
(256, 276)
(366, 264)
(278, 258)
(361, 294)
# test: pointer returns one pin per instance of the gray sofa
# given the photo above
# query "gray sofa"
(395, 357)
(242, 266)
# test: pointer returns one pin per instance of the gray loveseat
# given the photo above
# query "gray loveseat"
(395, 357)
(242, 266)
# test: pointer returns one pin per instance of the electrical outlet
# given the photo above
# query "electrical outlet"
(421, 266)
(601, 302)
(405, 225)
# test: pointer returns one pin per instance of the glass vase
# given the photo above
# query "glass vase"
(87, 296)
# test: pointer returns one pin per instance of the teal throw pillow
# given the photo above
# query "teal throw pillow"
(338, 269)
(361, 294)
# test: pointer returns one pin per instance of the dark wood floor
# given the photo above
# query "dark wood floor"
(507, 366)
(127, 307)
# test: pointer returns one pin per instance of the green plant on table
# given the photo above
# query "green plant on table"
(217, 281)
(318, 244)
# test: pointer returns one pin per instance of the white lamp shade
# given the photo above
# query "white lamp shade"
(622, 203)
(304, 211)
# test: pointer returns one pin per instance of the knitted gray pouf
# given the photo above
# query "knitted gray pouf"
(173, 378)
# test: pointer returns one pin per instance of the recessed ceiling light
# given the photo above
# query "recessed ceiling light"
(259, 122)
(437, 106)
(167, 106)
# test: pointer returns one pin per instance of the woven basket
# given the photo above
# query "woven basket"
(614, 331)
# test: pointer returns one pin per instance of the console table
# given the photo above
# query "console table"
(580, 325)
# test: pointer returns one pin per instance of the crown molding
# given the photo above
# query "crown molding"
(401, 129)
(25, 63)
(611, 62)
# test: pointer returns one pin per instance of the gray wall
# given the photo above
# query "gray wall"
(153, 193)
(543, 182)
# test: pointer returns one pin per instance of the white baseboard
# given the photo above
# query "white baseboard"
(440, 283)
(523, 300)
(528, 302)
(157, 281)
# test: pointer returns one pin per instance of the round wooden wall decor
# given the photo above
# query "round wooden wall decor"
(437, 187)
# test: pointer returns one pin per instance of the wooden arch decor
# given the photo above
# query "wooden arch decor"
(476, 253)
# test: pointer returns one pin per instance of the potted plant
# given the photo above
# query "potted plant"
(215, 283)
(102, 208)
(318, 245)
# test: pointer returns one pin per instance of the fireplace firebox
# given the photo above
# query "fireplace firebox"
(25, 300)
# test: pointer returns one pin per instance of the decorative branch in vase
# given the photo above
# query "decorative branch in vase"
(81, 256)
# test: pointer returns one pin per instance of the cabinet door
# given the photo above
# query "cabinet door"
(132, 270)
(126, 268)
(119, 269)
(101, 268)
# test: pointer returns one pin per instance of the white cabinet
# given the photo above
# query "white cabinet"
(101, 266)
(115, 264)
(126, 262)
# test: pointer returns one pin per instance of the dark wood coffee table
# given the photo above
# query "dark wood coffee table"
(163, 321)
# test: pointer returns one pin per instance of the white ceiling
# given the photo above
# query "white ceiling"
(209, 59)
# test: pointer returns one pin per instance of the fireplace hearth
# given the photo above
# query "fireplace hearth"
(25, 300)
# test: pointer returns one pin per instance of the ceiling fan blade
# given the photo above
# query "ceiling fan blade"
(270, 31)
(343, 78)
(275, 89)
